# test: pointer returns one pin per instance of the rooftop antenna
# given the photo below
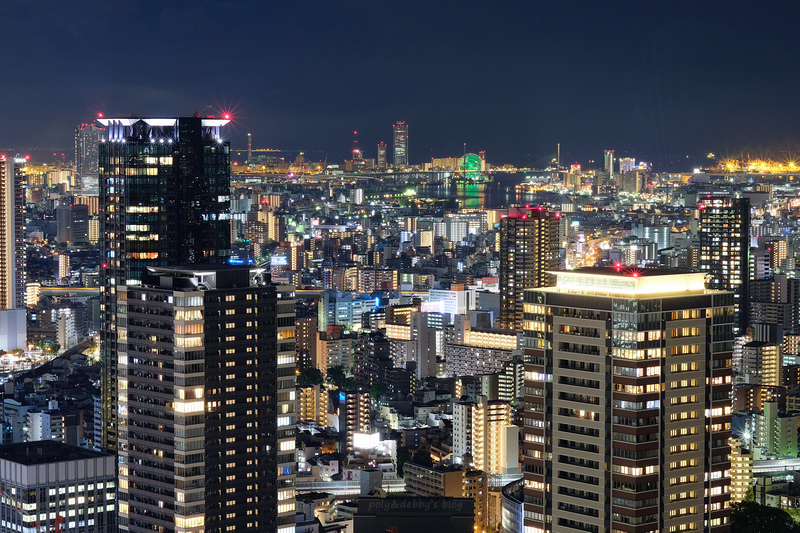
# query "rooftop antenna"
(197, 113)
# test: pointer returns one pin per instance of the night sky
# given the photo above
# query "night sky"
(657, 80)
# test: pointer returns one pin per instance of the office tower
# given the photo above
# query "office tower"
(380, 162)
(628, 413)
(12, 254)
(164, 200)
(72, 223)
(206, 402)
(400, 144)
(52, 486)
(724, 231)
(529, 243)
(87, 154)
(608, 163)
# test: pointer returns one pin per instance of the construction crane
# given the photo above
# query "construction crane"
(58, 523)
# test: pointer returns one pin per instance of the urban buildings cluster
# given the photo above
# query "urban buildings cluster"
(261, 345)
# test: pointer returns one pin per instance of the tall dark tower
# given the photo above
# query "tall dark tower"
(529, 249)
(164, 200)
(400, 144)
(380, 162)
(206, 402)
(724, 231)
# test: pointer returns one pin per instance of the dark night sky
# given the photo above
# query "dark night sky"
(656, 80)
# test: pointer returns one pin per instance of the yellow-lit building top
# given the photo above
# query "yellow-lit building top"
(628, 282)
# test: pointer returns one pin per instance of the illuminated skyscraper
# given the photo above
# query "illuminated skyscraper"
(724, 231)
(87, 143)
(381, 160)
(626, 164)
(206, 402)
(627, 403)
(12, 254)
(608, 163)
(529, 248)
(164, 200)
(400, 144)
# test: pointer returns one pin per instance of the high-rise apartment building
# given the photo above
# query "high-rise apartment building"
(206, 402)
(164, 200)
(354, 408)
(87, 155)
(12, 254)
(529, 247)
(627, 419)
(724, 231)
(482, 429)
(400, 135)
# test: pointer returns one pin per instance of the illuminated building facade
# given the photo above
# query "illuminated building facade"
(206, 403)
(164, 200)
(87, 155)
(608, 163)
(627, 418)
(380, 162)
(724, 232)
(529, 246)
(12, 254)
(400, 135)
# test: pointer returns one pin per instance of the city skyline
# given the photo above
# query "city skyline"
(658, 82)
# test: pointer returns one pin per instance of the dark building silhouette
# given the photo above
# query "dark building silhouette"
(164, 200)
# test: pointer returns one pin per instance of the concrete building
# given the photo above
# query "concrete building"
(453, 481)
(206, 401)
(651, 453)
(313, 404)
(483, 433)
(775, 433)
(741, 471)
(49, 483)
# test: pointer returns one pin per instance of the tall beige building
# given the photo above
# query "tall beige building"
(627, 419)
(12, 234)
(482, 429)
(12, 255)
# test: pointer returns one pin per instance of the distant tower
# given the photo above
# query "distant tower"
(358, 155)
(87, 141)
(249, 146)
(626, 164)
(381, 161)
(608, 159)
(400, 144)
(12, 254)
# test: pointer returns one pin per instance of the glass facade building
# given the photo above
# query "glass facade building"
(164, 200)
